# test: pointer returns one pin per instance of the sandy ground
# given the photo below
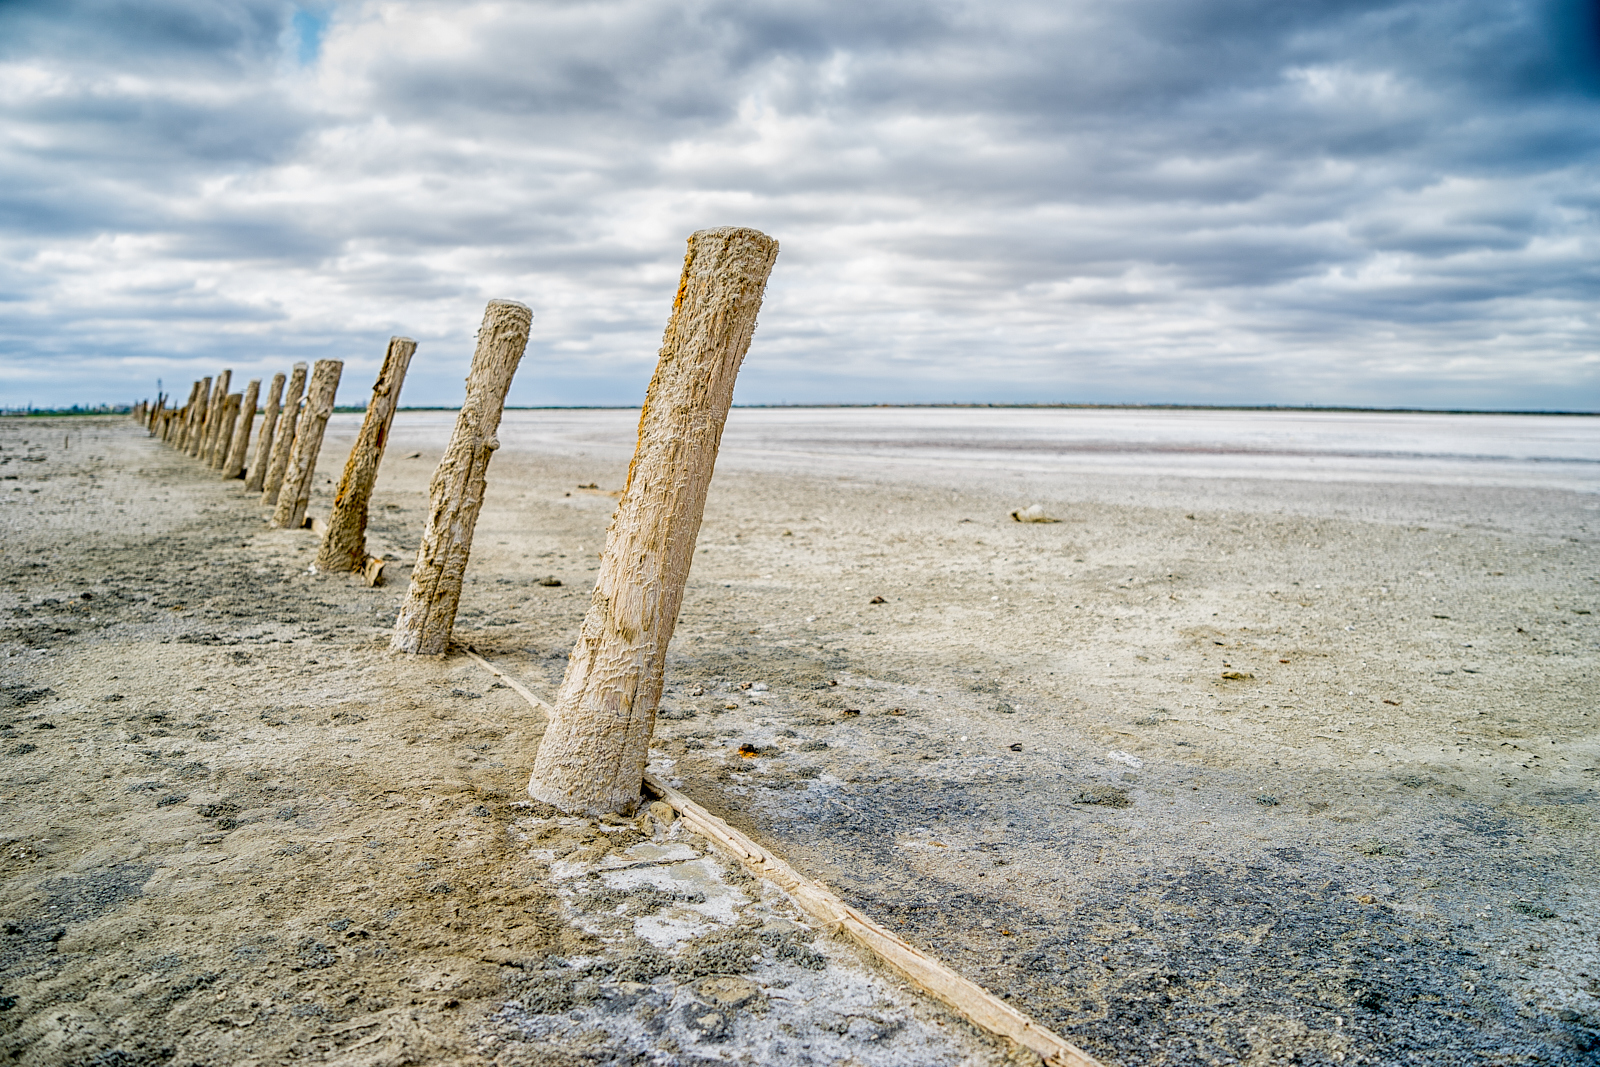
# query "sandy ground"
(1211, 771)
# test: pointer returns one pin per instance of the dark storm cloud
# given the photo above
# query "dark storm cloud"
(1021, 201)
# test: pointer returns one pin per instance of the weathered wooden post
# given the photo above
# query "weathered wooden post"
(233, 463)
(219, 413)
(155, 414)
(200, 446)
(269, 422)
(223, 438)
(596, 745)
(344, 545)
(169, 432)
(295, 493)
(285, 437)
(428, 613)
(197, 412)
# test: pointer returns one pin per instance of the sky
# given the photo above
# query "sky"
(1388, 204)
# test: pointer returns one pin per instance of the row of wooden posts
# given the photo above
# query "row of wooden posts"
(593, 755)
(597, 740)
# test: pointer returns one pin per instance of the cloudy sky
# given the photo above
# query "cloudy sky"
(1203, 201)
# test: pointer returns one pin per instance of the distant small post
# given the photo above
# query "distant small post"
(224, 435)
(285, 436)
(197, 415)
(269, 422)
(200, 446)
(456, 494)
(295, 493)
(596, 744)
(344, 545)
(233, 464)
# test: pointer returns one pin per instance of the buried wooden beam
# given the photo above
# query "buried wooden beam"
(269, 423)
(344, 547)
(295, 493)
(428, 614)
(967, 999)
(233, 462)
(593, 754)
(284, 441)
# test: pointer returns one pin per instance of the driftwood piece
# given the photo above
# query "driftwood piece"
(284, 441)
(225, 424)
(345, 546)
(969, 1000)
(200, 447)
(269, 423)
(295, 492)
(372, 571)
(593, 754)
(428, 613)
(233, 464)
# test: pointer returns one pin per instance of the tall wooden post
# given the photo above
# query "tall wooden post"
(428, 613)
(233, 460)
(285, 437)
(596, 745)
(200, 446)
(223, 438)
(197, 414)
(344, 545)
(269, 422)
(295, 493)
(156, 413)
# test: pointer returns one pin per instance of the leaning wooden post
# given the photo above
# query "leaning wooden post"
(233, 462)
(200, 446)
(295, 493)
(219, 412)
(269, 422)
(285, 438)
(156, 413)
(428, 613)
(197, 412)
(224, 435)
(595, 747)
(344, 545)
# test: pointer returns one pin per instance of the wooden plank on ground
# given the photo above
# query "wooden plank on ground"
(969, 1000)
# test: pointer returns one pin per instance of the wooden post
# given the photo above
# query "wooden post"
(258, 468)
(295, 493)
(208, 448)
(156, 413)
(223, 438)
(197, 412)
(200, 446)
(233, 462)
(285, 437)
(593, 754)
(428, 613)
(344, 545)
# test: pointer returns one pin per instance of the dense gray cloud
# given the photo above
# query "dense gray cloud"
(1146, 200)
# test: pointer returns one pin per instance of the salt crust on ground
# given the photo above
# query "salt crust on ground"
(238, 831)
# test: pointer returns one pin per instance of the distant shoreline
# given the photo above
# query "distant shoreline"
(14, 413)
(1076, 407)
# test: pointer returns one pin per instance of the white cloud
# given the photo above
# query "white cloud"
(1384, 203)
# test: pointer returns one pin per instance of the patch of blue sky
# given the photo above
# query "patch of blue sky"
(307, 27)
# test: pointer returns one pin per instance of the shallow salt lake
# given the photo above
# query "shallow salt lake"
(953, 445)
